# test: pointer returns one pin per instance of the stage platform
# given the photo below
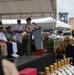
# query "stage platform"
(33, 61)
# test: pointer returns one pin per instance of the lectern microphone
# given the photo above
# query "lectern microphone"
(36, 24)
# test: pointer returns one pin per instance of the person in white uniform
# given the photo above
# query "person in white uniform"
(51, 36)
(18, 30)
(60, 36)
(3, 39)
(3, 46)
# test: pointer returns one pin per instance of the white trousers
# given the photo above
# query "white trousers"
(14, 45)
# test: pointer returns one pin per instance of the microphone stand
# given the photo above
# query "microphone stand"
(37, 25)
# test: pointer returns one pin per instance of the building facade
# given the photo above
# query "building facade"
(71, 22)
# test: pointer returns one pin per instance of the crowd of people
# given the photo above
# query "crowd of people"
(53, 35)
(11, 41)
(11, 44)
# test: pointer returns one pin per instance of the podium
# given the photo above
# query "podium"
(38, 41)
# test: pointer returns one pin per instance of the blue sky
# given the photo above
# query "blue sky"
(66, 6)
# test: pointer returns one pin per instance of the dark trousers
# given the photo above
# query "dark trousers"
(0, 50)
(33, 46)
(9, 48)
(20, 48)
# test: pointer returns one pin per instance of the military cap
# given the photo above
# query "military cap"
(7, 27)
(28, 18)
(18, 20)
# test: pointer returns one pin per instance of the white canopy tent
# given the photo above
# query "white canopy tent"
(19, 9)
(45, 23)
(62, 25)
(14, 9)
(24, 8)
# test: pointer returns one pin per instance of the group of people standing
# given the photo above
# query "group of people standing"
(10, 44)
(55, 35)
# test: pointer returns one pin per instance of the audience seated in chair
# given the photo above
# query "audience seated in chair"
(11, 47)
(10, 37)
(3, 46)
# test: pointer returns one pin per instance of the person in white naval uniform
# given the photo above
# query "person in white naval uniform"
(3, 46)
(18, 30)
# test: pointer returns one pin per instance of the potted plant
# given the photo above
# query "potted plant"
(48, 44)
(60, 50)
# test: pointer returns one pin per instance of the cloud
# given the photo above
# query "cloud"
(66, 6)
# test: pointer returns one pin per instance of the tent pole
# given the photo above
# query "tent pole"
(53, 32)
(54, 18)
(0, 18)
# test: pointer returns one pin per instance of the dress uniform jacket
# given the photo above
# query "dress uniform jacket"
(18, 35)
(17, 46)
(14, 44)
